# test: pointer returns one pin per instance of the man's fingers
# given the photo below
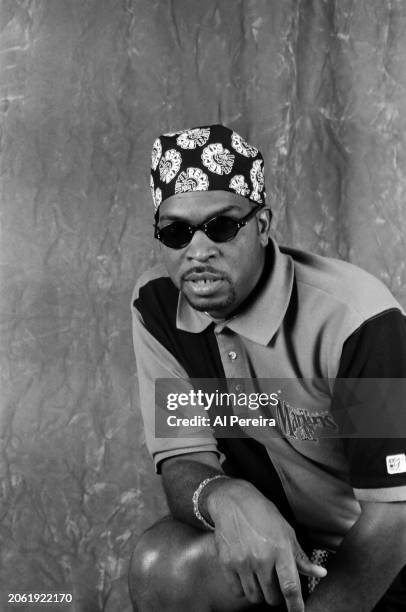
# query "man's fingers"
(243, 585)
(252, 590)
(270, 586)
(306, 567)
(289, 584)
(233, 582)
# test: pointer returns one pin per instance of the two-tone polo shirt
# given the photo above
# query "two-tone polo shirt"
(313, 319)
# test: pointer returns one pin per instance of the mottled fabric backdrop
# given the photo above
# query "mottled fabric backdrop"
(86, 85)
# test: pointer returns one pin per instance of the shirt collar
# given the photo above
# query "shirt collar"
(260, 320)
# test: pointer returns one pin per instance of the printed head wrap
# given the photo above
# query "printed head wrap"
(206, 158)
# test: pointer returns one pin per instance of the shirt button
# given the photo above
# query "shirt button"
(232, 355)
(239, 387)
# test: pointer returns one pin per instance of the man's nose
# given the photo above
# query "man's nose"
(201, 248)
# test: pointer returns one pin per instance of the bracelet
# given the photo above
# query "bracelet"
(196, 496)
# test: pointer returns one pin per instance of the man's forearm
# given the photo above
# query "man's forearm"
(370, 557)
(182, 476)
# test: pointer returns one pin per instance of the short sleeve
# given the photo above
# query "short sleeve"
(154, 362)
(376, 351)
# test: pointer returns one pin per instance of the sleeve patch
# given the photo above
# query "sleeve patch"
(396, 464)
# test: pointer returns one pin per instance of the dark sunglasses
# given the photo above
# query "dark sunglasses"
(222, 228)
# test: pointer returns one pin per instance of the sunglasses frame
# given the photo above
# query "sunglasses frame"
(192, 229)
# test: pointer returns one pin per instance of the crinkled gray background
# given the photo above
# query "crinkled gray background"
(85, 87)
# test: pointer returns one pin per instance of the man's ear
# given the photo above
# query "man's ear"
(264, 218)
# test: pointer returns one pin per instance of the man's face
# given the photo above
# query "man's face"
(215, 277)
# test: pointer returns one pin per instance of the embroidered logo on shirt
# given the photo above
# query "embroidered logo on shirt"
(300, 424)
(396, 464)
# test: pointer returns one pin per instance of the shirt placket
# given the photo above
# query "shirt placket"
(233, 357)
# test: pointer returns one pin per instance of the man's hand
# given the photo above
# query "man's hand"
(257, 548)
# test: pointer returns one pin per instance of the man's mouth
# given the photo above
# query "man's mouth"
(203, 284)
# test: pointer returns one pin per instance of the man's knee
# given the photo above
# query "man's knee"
(167, 567)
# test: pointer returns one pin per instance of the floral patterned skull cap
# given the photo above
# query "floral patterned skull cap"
(206, 158)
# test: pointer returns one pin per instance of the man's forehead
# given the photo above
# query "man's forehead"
(203, 203)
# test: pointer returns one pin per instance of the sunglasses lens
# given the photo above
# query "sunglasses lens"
(175, 235)
(222, 229)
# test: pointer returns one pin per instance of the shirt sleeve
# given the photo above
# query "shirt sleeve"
(374, 358)
(154, 362)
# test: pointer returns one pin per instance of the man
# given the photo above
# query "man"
(253, 516)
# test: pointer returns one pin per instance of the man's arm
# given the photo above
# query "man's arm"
(255, 543)
(374, 550)
(371, 555)
(155, 361)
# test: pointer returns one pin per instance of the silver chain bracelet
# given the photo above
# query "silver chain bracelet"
(196, 496)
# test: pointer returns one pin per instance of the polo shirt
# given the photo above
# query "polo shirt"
(312, 319)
